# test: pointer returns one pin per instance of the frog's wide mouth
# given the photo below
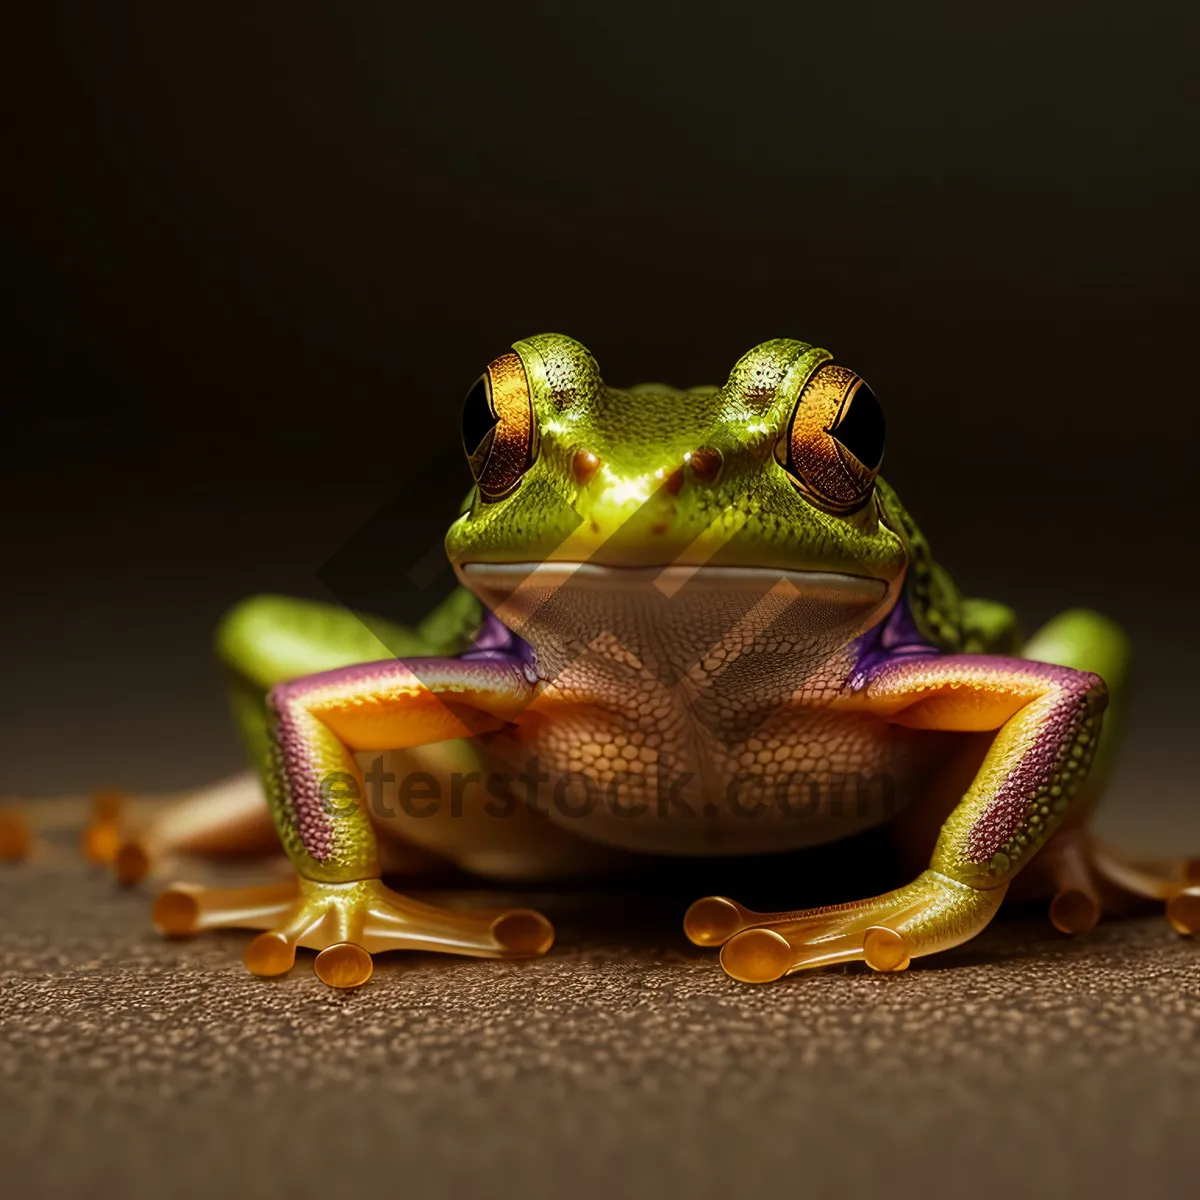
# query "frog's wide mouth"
(511, 577)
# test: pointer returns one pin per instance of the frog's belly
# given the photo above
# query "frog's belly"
(802, 778)
(693, 713)
(578, 800)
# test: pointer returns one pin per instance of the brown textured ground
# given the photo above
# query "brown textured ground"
(624, 1063)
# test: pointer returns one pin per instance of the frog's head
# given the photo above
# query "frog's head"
(764, 485)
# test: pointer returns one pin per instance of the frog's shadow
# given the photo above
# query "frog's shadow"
(643, 911)
(646, 903)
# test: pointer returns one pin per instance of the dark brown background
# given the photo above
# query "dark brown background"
(261, 251)
(261, 255)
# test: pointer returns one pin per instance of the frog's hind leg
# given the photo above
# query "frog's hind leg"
(1175, 882)
(229, 818)
(1083, 875)
(1086, 877)
(262, 641)
(27, 827)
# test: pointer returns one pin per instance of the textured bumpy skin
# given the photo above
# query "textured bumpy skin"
(679, 475)
(1048, 720)
(692, 622)
(315, 786)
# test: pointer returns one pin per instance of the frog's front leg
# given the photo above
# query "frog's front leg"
(1047, 722)
(338, 905)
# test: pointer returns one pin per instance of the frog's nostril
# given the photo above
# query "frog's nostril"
(705, 463)
(585, 464)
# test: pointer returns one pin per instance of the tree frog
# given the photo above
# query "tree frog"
(688, 622)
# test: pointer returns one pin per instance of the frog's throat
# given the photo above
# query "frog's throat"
(678, 612)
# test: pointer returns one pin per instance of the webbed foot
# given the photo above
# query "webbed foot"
(886, 932)
(347, 923)
(1090, 876)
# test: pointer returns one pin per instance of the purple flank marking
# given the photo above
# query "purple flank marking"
(496, 640)
(895, 638)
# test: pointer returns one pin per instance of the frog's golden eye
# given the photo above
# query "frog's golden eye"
(834, 442)
(497, 427)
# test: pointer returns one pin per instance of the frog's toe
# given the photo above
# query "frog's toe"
(343, 965)
(758, 956)
(1076, 906)
(184, 909)
(886, 932)
(713, 920)
(134, 860)
(346, 923)
(269, 954)
(101, 837)
(397, 922)
(1075, 910)
(1183, 911)
(16, 840)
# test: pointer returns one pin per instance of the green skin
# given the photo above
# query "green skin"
(629, 676)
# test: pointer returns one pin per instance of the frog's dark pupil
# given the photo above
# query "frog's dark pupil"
(862, 428)
(478, 420)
